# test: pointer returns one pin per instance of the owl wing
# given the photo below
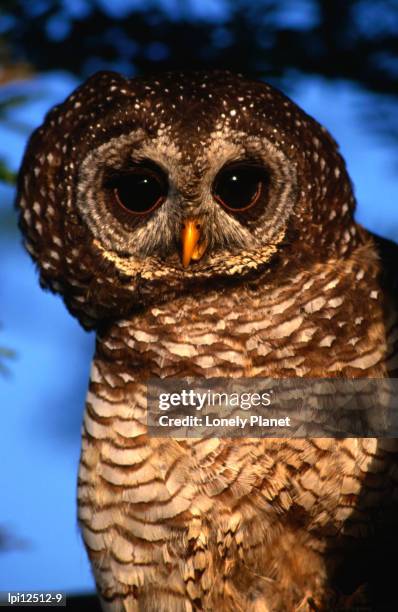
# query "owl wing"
(388, 253)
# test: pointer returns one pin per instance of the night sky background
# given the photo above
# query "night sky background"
(338, 60)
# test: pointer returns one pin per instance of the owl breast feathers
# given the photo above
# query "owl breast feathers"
(203, 225)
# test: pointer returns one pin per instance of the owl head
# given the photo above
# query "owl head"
(136, 190)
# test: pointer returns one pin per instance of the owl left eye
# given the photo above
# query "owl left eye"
(139, 191)
(238, 187)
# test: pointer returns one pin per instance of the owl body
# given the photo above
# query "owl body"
(254, 524)
(203, 225)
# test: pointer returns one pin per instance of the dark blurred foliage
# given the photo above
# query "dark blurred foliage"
(5, 173)
(9, 541)
(5, 355)
(354, 39)
(88, 603)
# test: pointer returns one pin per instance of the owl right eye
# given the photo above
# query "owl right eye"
(139, 191)
(239, 187)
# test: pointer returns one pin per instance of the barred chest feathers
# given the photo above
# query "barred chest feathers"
(195, 522)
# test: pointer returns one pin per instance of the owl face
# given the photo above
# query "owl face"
(139, 187)
(187, 202)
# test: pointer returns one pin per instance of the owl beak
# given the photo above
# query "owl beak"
(192, 246)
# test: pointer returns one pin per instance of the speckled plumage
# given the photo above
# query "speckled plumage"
(295, 288)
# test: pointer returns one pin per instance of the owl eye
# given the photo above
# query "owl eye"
(140, 190)
(238, 188)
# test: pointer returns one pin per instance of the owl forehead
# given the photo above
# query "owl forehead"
(193, 123)
(197, 116)
(199, 102)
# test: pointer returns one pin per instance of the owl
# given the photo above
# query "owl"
(202, 224)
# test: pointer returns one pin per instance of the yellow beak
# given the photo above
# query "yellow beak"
(192, 248)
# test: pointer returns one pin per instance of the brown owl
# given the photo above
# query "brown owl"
(203, 225)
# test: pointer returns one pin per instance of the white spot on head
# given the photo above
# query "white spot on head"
(27, 216)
